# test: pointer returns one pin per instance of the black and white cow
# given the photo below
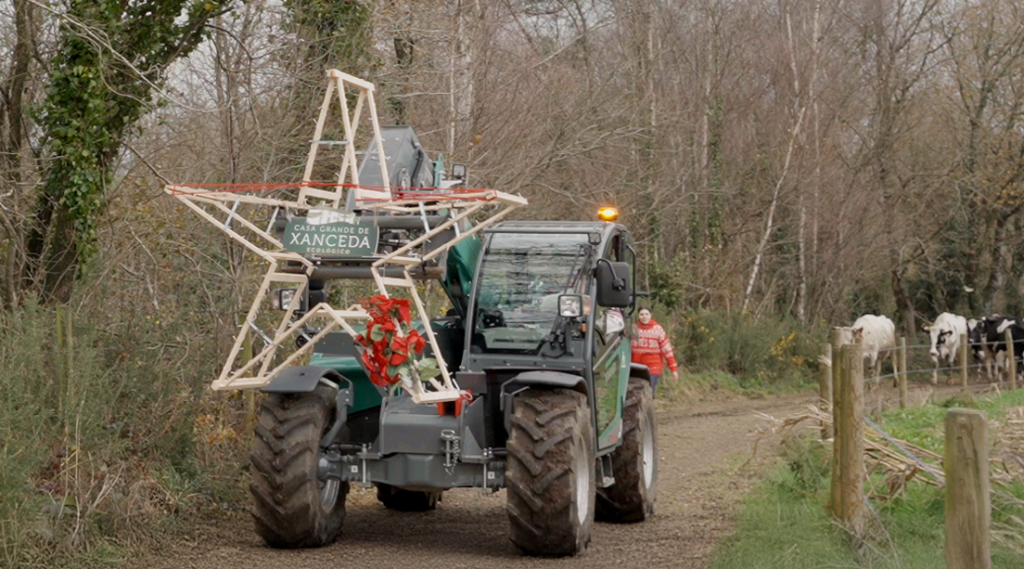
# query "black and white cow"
(977, 336)
(995, 337)
(945, 335)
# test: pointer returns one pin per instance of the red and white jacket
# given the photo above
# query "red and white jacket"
(650, 344)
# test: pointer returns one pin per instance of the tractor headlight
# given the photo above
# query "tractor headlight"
(570, 306)
(281, 298)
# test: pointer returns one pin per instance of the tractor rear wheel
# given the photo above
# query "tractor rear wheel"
(550, 472)
(407, 500)
(294, 507)
(634, 463)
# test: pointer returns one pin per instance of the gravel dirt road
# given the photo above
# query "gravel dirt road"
(700, 483)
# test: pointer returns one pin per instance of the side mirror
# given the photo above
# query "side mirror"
(281, 298)
(614, 323)
(613, 284)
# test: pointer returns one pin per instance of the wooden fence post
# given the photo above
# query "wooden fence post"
(835, 502)
(825, 388)
(903, 372)
(963, 361)
(968, 510)
(1013, 359)
(851, 436)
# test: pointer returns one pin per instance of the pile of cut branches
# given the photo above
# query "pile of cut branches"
(902, 461)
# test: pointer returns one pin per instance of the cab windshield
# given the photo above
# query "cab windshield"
(521, 278)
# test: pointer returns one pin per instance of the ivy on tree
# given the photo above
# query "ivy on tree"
(112, 55)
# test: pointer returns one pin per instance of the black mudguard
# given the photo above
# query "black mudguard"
(536, 378)
(301, 379)
(549, 378)
(640, 371)
(304, 379)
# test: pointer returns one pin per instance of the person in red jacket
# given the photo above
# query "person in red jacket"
(650, 344)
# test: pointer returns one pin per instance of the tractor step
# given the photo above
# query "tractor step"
(604, 470)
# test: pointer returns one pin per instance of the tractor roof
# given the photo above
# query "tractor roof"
(553, 227)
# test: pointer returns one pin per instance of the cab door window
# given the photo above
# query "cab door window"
(607, 350)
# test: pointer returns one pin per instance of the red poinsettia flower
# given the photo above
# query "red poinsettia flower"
(416, 342)
(403, 312)
(386, 315)
(398, 358)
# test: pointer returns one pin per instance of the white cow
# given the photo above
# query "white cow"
(945, 335)
(876, 333)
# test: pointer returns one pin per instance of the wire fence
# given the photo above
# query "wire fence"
(962, 463)
(970, 344)
(926, 371)
(915, 352)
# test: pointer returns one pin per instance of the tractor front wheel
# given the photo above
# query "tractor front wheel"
(294, 507)
(634, 463)
(550, 472)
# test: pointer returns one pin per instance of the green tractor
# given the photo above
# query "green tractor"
(542, 398)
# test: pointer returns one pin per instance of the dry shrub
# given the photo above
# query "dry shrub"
(107, 437)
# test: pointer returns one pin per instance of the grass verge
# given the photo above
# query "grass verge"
(716, 385)
(783, 523)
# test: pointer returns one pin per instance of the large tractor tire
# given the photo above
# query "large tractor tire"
(550, 472)
(293, 508)
(634, 463)
(407, 500)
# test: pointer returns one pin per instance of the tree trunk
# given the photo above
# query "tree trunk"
(460, 85)
(903, 301)
(11, 145)
(801, 300)
(405, 50)
(60, 265)
(768, 225)
(997, 277)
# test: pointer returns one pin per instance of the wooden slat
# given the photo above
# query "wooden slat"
(429, 235)
(382, 157)
(473, 230)
(254, 310)
(249, 225)
(436, 396)
(429, 331)
(241, 383)
(317, 133)
(305, 348)
(388, 281)
(365, 194)
(289, 278)
(348, 163)
(223, 197)
(323, 194)
(362, 84)
(354, 314)
(403, 260)
(220, 224)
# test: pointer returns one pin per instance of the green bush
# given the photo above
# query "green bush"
(760, 352)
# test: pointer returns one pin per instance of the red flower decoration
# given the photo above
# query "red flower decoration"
(386, 351)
